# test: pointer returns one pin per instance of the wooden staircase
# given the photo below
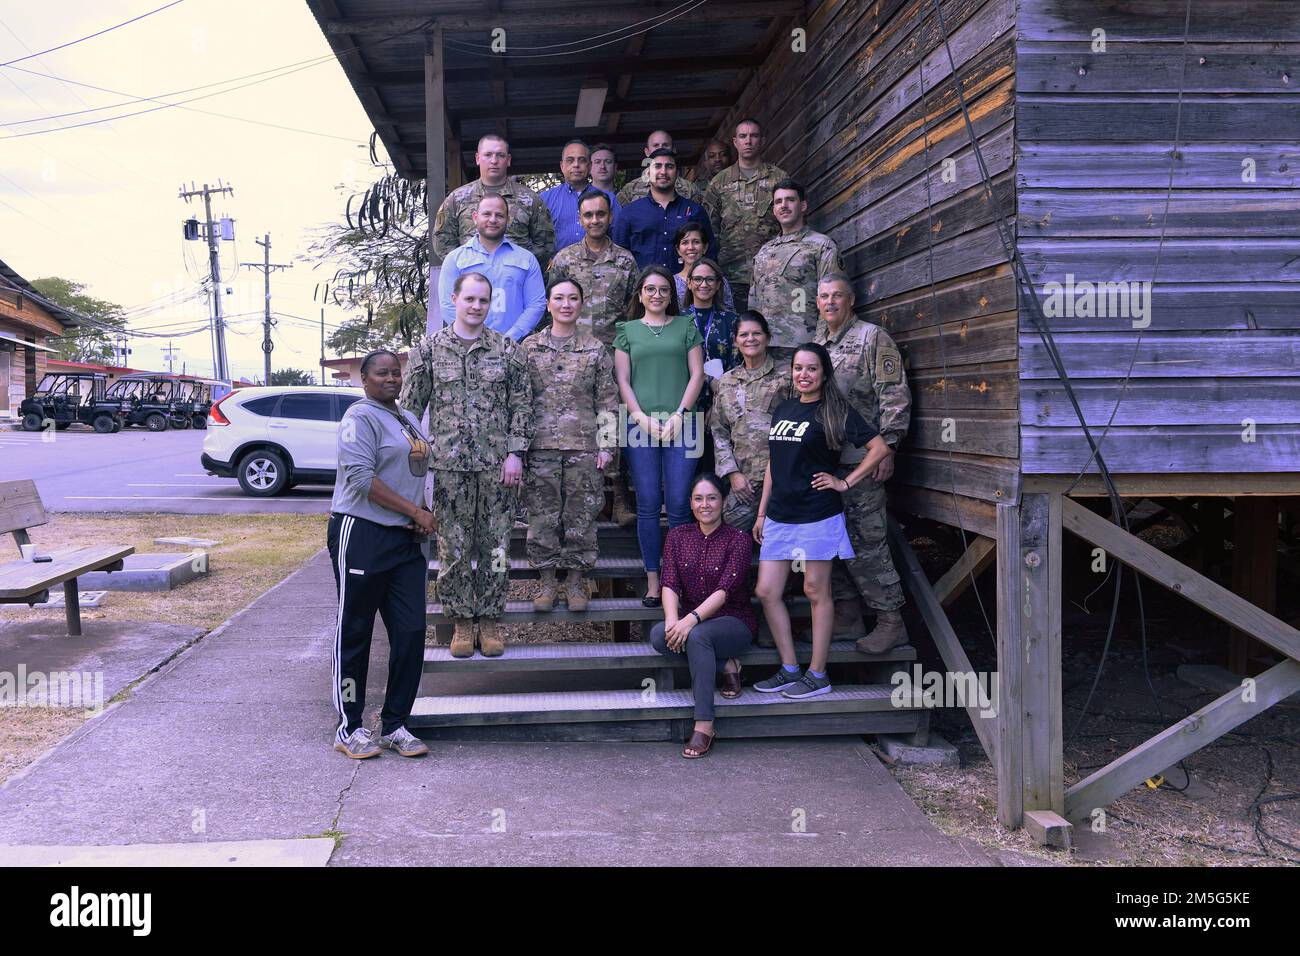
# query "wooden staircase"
(623, 689)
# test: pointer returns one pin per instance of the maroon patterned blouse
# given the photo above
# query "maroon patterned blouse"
(695, 566)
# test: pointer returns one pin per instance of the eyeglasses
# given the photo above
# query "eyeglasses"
(655, 291)
(705, 280)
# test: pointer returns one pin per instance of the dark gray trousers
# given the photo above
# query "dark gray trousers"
(710, 643)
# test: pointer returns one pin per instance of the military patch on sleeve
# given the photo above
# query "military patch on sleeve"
(415, 360)
(889, 366)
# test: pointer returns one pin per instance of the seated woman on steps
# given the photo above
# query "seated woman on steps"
(806, 522)
(575, 404)
(708, 619)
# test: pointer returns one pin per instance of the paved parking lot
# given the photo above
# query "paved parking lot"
(136, 470)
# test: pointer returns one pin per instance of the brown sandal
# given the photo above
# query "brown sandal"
(700, 742)
(731, 684)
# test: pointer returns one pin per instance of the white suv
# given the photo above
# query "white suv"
(274, 438)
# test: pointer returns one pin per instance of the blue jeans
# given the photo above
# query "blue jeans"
(660, 473)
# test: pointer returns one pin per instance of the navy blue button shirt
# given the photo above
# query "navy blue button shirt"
(646, 229)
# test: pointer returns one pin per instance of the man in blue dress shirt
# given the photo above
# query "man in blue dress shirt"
(518, 289)
(562, 200)
(647, 226)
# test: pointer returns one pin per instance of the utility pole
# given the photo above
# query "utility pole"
(267, 268)
(220, 365)
(171, 357)
(322, 345)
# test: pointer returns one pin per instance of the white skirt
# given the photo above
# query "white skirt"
(816, 541)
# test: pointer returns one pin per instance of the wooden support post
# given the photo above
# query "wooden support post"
(435, 152)
(977, 557)
(1254, 570)
(1009, 761)
(1040, 635)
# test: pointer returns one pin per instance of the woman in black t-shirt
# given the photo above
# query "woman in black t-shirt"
(801, 515)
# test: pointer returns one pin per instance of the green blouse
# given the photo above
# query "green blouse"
(660, 373)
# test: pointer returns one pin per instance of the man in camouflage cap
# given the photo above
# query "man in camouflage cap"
(529, 226)
(786, 271)
(869, 370)
(639, 187)
(475, 383)
(607, 274)
(739, 204)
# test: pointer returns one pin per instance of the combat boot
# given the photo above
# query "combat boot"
(462, 640)
(545, 600)
(848, 623)
(489, 638)
(889, 632)
(579, 592)
(622, 514)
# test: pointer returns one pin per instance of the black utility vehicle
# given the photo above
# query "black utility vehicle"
(66, 398)
(155, 401)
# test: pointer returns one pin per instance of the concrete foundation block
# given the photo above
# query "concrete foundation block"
(85, 598)
(187, 542)
(937, 753)
(150, 572)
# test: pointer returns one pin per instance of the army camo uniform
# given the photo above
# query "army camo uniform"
(608, 281)
(784, 288)
(575, 414)
(740, 419)
(869, 370)
(739, 205)
(480, 402)
(528, 223)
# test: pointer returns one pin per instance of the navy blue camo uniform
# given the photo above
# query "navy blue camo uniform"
(380, 563)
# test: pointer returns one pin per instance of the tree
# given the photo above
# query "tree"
(83, 343)
(382, 330)
(292, 376)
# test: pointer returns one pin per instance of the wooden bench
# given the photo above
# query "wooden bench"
(25, 582)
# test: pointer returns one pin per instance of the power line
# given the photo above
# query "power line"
(91, 36)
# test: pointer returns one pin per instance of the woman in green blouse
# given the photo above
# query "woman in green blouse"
(659, 367)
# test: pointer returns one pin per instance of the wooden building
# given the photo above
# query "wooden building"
(1139, 170)
(27, 322)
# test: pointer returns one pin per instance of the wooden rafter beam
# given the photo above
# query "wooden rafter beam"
(972, 563)
(1200, 590)
(621, 86)
(560, 16)
(609, 68)
(1189, 735)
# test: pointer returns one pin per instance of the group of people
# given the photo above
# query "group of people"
(706, 344)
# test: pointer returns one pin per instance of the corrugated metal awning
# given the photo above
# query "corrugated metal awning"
(10, 337)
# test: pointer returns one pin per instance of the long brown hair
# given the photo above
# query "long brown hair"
(834, 413)
(637, 309)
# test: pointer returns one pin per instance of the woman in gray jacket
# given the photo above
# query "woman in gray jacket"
(378, 535)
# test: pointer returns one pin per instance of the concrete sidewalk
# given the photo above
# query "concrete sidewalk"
(231, 741)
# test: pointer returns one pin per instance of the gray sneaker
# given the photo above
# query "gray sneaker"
(358, 745)
(404, 742)
(779, 681)
(808, 686)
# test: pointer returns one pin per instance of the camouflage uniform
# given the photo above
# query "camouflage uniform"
(639, 187)
(744, 400)
(869, 370)
(574, 395)
(480, 402)
(786, 271)
(740, 208)
(608, 281)
(529, 225)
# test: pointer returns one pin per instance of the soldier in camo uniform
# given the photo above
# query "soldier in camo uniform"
(475, 383)
(530, 224)
(786, 271)
(739, 204)
(638, 187)
(869, 368)
(607, 274)
(744, 399)
(575, 428)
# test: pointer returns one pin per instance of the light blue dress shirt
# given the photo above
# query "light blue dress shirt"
(518, 289)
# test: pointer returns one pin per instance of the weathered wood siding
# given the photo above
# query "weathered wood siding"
(1094, 137)
(846, 118)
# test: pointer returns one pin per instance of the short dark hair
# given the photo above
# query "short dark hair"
(603, 148)
(722, 487)
(686, 229)
(370, 357)
(560, 280)
(592, 193)
(665, 151)
(789, 183)
(486, 136)
(579, 141)
(747, 119)
(504, 201)
(460, 280)
(753, 315)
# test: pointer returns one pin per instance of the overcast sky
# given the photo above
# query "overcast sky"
(99, 204)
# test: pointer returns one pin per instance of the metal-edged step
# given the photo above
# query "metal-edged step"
(613, 567)
(608, 655)
(779, 714)
(598, 609)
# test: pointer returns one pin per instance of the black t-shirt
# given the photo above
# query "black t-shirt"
(796, 444)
